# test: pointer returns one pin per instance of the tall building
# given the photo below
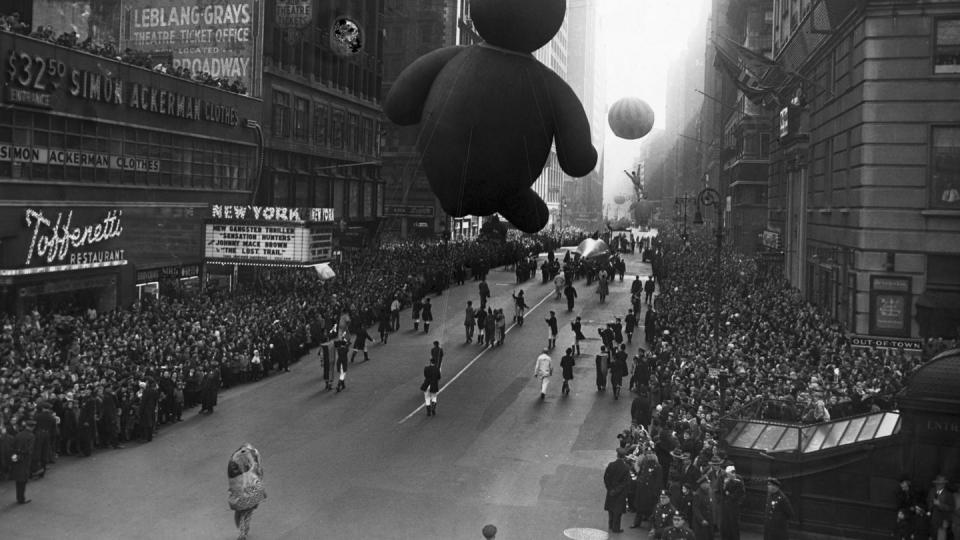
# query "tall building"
(865, 173)
(322, 111)
(549, 185)
(412, 29)
(109, 168)
(581, 199)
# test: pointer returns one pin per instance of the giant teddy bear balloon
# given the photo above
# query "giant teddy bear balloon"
(490, 112)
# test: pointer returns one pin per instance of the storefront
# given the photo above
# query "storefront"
(107, 172)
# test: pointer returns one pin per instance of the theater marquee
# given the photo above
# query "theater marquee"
(243, 234)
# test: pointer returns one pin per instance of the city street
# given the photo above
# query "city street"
(367, 462)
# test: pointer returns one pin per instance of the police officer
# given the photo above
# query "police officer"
(776, 512)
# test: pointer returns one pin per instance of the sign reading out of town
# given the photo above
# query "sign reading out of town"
(55, 239)
(269, 234)
(35, 80)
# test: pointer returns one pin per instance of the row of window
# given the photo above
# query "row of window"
(351, 198)
(41, 146)
(324, 126)
(357, 75)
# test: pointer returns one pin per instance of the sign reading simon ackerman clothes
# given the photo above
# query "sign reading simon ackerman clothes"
(56, 156)
(222, 38)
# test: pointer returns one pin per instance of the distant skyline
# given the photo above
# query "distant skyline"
(641, 38)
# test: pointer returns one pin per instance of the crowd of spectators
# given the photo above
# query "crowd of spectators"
(13, 23)
(92, 371)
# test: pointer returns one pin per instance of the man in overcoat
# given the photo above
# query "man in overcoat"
(616, 478)
(732, 494)
(148, 409)
(22, 457)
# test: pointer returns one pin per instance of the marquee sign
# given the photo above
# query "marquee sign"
(272, 213)
(267, 243)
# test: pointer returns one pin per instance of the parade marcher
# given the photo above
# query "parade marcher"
(552, 330)
(542, 371)
(384, 326)
(341, 347)
(571, 293)
(647, 487)
(520, 307)
(395, 314)
(703, 518)
(650, 325)
(21, 459)
(469, 321)
(491, 327)
(246, 491)
(616, 478)
(636, 286)
(481, 325)
(415, 313)
(361, 338)
(603, 287)
(324, 352)
(426, 314)
(940, 506)
(678, 529)
(578, 336)
(566, 366)
(500, 322)
(618, 370)
(603, 364)
(484, 290)
(430, 387)
(436, 355)
(617, 328)
(148, 410)
(630, 325)
(558, 283)
(662, 517)
(648, 289)
(732, 495)
(777, 512)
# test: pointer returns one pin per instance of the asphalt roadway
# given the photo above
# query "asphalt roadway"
(367, 463)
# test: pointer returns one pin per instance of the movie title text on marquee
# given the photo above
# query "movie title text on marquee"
(33, 80)
(57, 240)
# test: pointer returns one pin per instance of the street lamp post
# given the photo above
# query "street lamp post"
(711, 197)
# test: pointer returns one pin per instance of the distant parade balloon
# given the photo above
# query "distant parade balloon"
(619, 199)
(630, 118)
(346, 37)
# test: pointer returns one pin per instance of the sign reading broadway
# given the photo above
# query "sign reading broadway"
(222, 38)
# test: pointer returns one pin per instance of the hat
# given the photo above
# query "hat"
(730, 469)
(716, 461)
(774, 481)
(676, 453)
(940, 479)
(664, 493)
(622, 452)
(677, 514)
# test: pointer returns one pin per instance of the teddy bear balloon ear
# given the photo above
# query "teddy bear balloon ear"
(519, 26)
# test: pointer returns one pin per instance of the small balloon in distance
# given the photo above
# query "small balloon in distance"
(619, 199)
(630, 118)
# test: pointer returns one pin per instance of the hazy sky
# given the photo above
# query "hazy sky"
(642, 37)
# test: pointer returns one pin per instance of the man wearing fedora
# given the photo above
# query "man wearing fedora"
(939, 507)
(22, 457)
(616, 478)
(731, 496)
(776, 512)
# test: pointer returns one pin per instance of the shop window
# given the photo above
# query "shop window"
(946, 56)
(943, 272)
(321, 192)
(302, 195)
(945, 168)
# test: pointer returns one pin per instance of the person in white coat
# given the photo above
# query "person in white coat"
(543, 371)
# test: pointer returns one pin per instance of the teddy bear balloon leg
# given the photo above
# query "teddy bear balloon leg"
(526, 210)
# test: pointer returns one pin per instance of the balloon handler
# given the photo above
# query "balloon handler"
(245, 475)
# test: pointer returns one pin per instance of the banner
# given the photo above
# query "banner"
(223, 39)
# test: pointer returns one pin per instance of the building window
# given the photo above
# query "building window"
(320, 114)
(336, 130)
(281, 114)
(301, 120)
(945, 168)
(946, 56)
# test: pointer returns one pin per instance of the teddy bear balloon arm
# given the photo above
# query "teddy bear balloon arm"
(408, 95)
(576, 154)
